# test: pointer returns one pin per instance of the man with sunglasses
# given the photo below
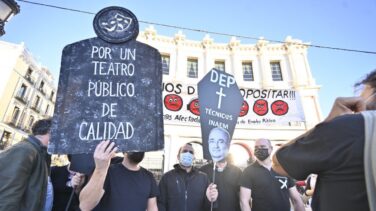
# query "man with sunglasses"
(334, 150)
(184, 188)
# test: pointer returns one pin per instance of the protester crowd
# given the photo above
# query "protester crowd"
(329, 159)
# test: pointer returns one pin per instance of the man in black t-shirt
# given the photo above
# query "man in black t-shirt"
(334, 150)
(263, 189)
(123, 186)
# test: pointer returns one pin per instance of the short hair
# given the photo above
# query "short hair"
(224, 131)
(267, 140)
(41, 127)
(370, 80)
(186, 144)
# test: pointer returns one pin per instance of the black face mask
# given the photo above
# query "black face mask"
(261, 153)
(135, 157)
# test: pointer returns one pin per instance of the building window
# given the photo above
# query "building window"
(192, 68)
(21, 93)
(41, 85)
(31, 122)
(5, 140)
(47, 109)
(52, 95)
(220, 65)
(20, 122)
(28, 75)
(276, 71)
(16, 113)
(247, 71)
(165, 64)
(36, 103)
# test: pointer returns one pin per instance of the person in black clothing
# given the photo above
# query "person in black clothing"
(121, 186)
(64, 181)
(262, 188)
(334, 150)
(227, 180)
(185, 188)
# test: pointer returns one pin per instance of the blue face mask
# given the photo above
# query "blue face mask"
(186, 159)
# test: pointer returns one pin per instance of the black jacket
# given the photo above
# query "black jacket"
(182, 191)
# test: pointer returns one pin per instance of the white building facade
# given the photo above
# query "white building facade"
(27, 93)
(262, 65)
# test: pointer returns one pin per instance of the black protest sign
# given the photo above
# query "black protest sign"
(82, 163)
(109, 88)
(220, 102)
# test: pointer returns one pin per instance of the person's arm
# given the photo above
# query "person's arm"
(152, 204)
(346, 105)
(245, 199)
(92, 193)
(341, 106)
(14, 178)
(296, 200)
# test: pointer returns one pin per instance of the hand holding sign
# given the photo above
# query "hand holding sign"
(103, 153)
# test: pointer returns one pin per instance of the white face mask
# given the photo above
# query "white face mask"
(186, 159)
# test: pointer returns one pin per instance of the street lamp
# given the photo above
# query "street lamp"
(8, 8)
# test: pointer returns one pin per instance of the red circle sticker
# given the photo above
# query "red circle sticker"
(173, 102)
(260, 107)
(244, 109)
(194, 107)
(279, 107)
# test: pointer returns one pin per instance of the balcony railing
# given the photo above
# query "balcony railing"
(28, 78)
(10, 120)
(36, 108)
(22, 99)
(42, 91)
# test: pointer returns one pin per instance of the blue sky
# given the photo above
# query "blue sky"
(336, 23)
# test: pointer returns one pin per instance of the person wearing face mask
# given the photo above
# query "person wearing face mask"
(121, 186)
(335, 150)
(184, 188)
(262, 189)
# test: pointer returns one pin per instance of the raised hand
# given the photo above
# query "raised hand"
(103, 153)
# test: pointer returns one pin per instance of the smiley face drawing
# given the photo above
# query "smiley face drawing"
(173, 102)
(260, 107)
(279, 107)
(244, 109)
(194, 107)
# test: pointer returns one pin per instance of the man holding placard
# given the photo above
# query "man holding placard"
(220, 102)
(122, 186)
